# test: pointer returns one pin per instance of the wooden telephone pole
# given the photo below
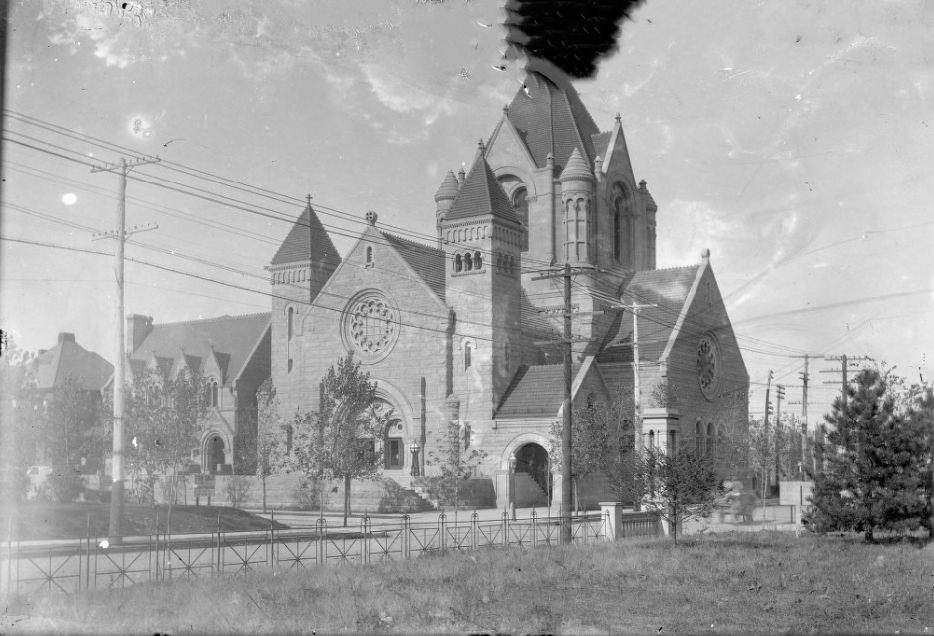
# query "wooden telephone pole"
(120, 233)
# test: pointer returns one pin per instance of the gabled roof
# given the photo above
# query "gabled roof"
(482, 194)
(427, 261)
(229, 339)
(535, 391)
(669, 289)
(307, 240)
(69, 359)
(551, 118)
(601, 142)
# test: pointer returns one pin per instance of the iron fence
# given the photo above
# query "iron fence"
(71, 566)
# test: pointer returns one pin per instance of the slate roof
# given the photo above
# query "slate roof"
(448, 188)
(552, 118)
(667, 288)
(230, 339)
(482, 194)
(576, 168)
(307, 237)
(69, 359)
(427, 261)
(536, 390)
(601, 143)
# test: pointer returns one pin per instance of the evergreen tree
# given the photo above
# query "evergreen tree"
(876, 461)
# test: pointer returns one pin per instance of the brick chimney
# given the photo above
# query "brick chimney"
(137, 328)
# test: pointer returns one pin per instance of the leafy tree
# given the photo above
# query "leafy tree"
(603, 442)
(761, 448)
(162, 419)
(18, 420)
(456, 464)
(876, 460)
(338, 441)
(678, 487)
(72, 429)
(270, 445)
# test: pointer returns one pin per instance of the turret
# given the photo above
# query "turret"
(444, 199)
(577, 187)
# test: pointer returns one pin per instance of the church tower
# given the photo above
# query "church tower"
(482, 240)
(300, 268)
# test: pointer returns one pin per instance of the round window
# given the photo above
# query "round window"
(708, 367)
(371, 326)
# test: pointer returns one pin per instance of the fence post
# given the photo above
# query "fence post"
(442, 532)
(505, 528)
(320, 530)
(364, 541)
(474, 530)
(534, 528)
(405, 537)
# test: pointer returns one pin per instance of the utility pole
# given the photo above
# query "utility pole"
(779, 395)
(120, 233)
(636, 385)
(765, 428)
(844, 366)
(805, 458)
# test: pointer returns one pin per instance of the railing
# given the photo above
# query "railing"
(71, 566)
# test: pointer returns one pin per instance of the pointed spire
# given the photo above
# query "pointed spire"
(448, 188)
(482, 194)
(307, 240)
(576, 168)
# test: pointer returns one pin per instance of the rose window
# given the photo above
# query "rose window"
(708, 367)
(371, 326)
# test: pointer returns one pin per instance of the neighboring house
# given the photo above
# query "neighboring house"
(232, 354)
(465, 330)
(68, 361)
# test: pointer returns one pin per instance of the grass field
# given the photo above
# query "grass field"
(37, 521)
(738, 583)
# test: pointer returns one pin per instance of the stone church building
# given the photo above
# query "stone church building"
(467, 329)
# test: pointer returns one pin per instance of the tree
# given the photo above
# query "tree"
(339, 440)
(678, 487)
(761, 448)
(18, 420)
(876, 460)
(162, 416)
(603, 443)
(72, 430)
(270, 449)
(456, 464)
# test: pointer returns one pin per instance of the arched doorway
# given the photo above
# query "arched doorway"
(214, 454)
(532, 459)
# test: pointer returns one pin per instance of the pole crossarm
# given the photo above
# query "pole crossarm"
(130, 231)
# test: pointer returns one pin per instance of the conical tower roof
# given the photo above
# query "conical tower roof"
(550, 117)
(482, 194)
(307, 240)
(576, 168)
(449, 187)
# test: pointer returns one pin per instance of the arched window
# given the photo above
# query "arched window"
(623, 236)
(477, 260)
(467, 352)
(468, 262)
(369, 256)
(651, 439)
(520, 201)
(210, 393)
(458, 264)
(291, 316)
(711, 442)
(698, 438)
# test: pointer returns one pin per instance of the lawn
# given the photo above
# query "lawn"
(36, 521)
(739, 583)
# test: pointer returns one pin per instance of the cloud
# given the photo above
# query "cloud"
(403, 97)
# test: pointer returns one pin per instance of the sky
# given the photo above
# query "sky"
(794, 140)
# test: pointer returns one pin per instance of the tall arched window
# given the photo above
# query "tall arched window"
(468, 262)
(467, 355)
(458, 264)
(291, 317)
(369, 256)
(698, 438)
(623, 224)
(711, 440)
(477, 260)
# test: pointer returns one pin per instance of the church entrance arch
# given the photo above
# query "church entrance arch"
(214, 454)
(532, 459)
(393, 437)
